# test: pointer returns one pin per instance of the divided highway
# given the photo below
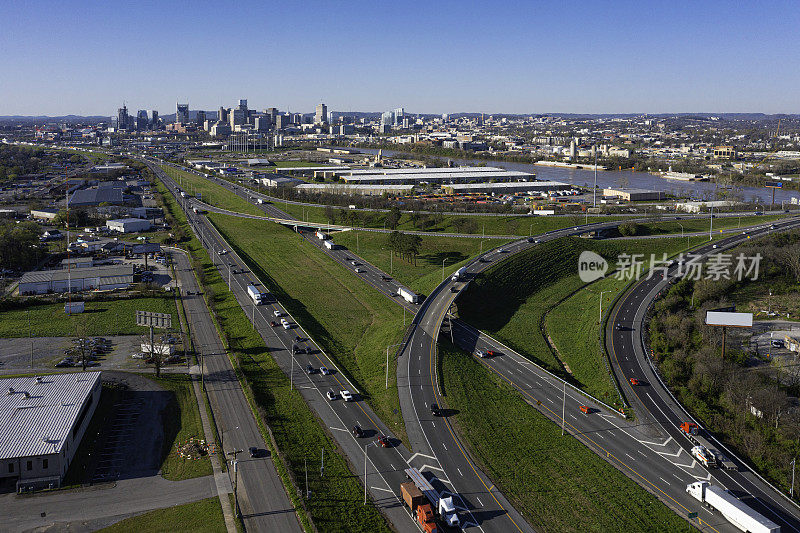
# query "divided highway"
(645, 450)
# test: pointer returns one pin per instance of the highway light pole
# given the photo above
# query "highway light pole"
(791, 490)
(365, 469)
(711, 223)
(387, 361)
(563, 408)
(601, 306)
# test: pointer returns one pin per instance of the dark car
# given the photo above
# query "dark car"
(386, 278)
(298, 338)
(453, 289)
(358, 432)
(435, 409)
(273, 323)
(309, 369)
(256, 452)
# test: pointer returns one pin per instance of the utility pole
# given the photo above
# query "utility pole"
(563, 408)
(235, 464)
(443, 260)
(291, 372)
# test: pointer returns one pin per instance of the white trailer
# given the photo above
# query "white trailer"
(321, 236)
(260, 200)
(407, 295)
(458, 274)
(183, 194)
(255, 294)
(329, 245)
(735, 511)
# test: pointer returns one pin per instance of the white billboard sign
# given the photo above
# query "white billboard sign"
(738, 320)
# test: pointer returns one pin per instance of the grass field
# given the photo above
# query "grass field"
(211, 193)
(351, 321)
(337, 504)
(556, 482)
(181, 422)
(698, 225)
(427, 273)
(520, 300)
(115, 317)
(204, 516)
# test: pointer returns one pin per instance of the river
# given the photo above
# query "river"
(698, 190)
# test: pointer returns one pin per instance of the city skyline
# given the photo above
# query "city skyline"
(517, 58)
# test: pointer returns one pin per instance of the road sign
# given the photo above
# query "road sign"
(774, 184)
(154, 320)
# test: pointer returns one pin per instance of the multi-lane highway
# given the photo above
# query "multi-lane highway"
(385, 466)
(646, 452)
(655, 404)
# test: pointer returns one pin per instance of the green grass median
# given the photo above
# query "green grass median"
(556, 482)
(204, 516)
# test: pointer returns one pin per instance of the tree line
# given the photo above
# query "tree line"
(405, 245)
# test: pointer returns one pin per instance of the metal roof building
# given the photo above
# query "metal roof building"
(441, 177)
(365, 189)
(502, 188)
(80, 279)
(94, 197)
(42, 421)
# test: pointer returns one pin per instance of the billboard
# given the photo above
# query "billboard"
(774, 184)
(723, 318)
(156, 320)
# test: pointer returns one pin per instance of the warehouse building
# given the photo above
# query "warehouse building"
(42, 422)
(366, 190)
(506, 188)
(95, 197)
(441, 177)
(44, 214)
(633, 195)
(103, 278)
(128, 225)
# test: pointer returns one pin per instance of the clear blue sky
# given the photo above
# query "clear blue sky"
(433, 57)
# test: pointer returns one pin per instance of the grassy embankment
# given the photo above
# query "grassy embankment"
(113, 317)
(702, 225)
(211, 193)
(298, 436)
(204, 516)
(427, 273)
(351, 321)
(556, 482)
(515, 298)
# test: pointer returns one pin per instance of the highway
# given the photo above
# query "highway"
(385, 465)
(263, 501)
(644, 450)
(654, 402)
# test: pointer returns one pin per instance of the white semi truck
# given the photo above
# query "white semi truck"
(458, 274)
(255, 294)
(734, 510)
(321, 236)
(407, 295)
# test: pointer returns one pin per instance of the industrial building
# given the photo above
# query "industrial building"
(277, 180)
(367, 189)
(80, 279)
(44, 214)
(696, 207)
(506, 188)
(42, 422)
(128, 225)
(107, 192)
(632, 194)
(440, 177)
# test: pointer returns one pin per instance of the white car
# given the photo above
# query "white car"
(714, 247)
(354, 263)
(277, 313)
(480, 353)
(285, 324)
(223, 252)
(324, 371)
(358, 270)
(346, 395)
(331, 395)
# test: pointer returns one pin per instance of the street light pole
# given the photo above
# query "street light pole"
(443, 260)
(387, 361)
(711, 223)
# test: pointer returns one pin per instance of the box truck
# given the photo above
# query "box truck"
(329, 245)
(734, 510)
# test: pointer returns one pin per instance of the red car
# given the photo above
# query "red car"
(273, 324)
(491, 353)
(384, 441)
(635, 381)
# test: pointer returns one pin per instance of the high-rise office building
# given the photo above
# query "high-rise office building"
(281, 121)
(141, 120)
(200, 119)
(398, 115)
(272, 112)
(222, 114)
(181, 113)
(153, 119)
(321, 115)
(122, 118)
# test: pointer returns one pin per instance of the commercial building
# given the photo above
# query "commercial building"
(321, 114)
(128, 225)
(349, 189)
(44, 214)
(80, 279)
(95, 197)
(277, 180)
(632, 194)
(182, 114)
(506, 188)
(727, 152)
(696, 207)
(42, 422)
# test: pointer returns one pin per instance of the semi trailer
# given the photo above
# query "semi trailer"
(734, 510)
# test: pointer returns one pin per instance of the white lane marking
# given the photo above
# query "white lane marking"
(338, 429)
(479, 501)
(664, 480)
(459, 472)
(632, 458)
(381, 488)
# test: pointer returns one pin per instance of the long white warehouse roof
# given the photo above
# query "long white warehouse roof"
(40, 423)
(444, 176)
(350, 186)
(434, 170)
(530, 185)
